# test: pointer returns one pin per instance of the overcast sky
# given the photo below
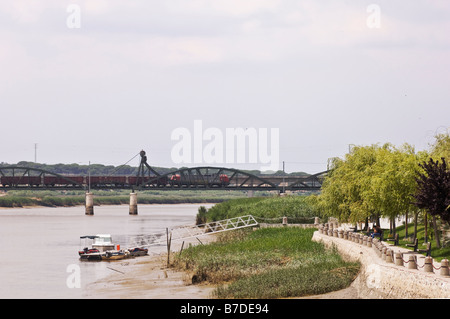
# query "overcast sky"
(327, 74)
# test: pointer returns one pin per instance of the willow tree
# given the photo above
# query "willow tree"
(393, 181)
(372, 181)
(441, 147)
(344, 189)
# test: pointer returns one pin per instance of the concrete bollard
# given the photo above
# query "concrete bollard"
(412, 262)
(444, 268)
(383, 253)
(285, 221)
(361, 239)
(378, 250)
(335, 233)
(398, 259)
(388, 257)
(369, 241)
(341, 234)
(428, 265)
(316, 220)
(346, 235)
(133, 204)
(89, 204)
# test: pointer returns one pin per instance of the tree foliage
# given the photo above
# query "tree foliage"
(371, 181)
(433, 192)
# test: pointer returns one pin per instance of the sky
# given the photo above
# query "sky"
(99, 80)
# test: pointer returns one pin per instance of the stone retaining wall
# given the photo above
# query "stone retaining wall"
(381, 278)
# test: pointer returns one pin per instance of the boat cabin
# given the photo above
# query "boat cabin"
(103, 242)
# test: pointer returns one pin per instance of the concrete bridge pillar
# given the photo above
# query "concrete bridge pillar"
(250, 193)
(133, 204)
(89, 204)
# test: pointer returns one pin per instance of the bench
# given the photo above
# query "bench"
(427, 251)
(395, 239)
(415, 245)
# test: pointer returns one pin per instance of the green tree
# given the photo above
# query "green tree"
(433, 193)
(441, 147)
(372, 181)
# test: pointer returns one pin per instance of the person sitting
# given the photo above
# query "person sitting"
(377, 232)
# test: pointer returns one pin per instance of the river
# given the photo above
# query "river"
(40, 245)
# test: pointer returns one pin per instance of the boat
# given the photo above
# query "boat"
(138, 251)
(115, 255)
(90, 254)
(101, 244)
(104, 249)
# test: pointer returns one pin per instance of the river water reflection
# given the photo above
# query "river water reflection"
(39, 244)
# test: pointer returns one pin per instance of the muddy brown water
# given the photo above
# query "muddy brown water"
(40, 245)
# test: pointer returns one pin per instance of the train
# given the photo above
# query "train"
(214, 180)
(175, 180)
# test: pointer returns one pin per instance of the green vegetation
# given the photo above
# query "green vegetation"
(298, 209)
(438, 253)
(375, 181)
(267, 263)
(74, 198)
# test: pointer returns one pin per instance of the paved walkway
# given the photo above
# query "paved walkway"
(379, 279)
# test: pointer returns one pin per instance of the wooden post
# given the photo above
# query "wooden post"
(169, 241)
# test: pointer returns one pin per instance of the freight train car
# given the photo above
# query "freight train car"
(211, 180)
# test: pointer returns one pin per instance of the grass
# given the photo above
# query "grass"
(436, 253)
(265, 209)
(103, 197)
(267, 263)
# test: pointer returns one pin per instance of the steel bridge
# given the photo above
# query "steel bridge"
(197, 178)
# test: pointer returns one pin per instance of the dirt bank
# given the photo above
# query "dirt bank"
(148, 277)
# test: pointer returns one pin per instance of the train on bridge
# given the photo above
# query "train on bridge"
(54, 181)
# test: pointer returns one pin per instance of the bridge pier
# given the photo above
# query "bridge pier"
(89, 204)
(133, 204)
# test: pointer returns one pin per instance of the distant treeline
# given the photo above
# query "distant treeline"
(108, 170)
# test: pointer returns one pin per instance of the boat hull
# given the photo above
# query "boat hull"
(92, 257)
(115, 255)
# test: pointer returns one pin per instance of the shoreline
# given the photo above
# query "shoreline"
(105, 204)
(148, 277)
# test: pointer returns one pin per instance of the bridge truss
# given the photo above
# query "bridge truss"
(196, 178)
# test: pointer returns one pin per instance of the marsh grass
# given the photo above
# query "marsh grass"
(55, 198)
(267, 263)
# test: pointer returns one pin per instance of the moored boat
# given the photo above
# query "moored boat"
(101, 243)
(138, 251)
(115, 255)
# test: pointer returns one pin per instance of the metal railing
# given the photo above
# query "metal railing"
(190, 231)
